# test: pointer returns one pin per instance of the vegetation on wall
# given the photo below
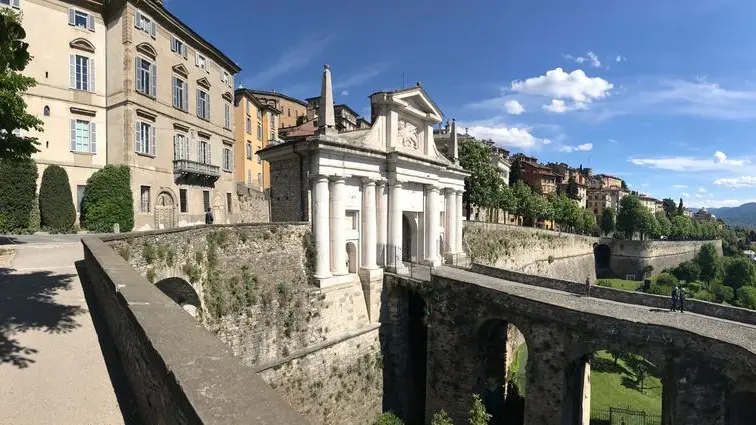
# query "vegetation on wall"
(476, 416)
(108, 200)
(56, 206)
(18, 180)
(489, 244)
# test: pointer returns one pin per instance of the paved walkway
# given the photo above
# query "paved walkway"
(52, 369)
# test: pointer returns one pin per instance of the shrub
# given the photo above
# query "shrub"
(657, 289)
(746, 297)
(704, 295)
(18, 180)
(34, 218)
(604, 282)
(56, 206)
(666, 279)
(478, 415)
(722, 293)
(441, 418)
(108, 200)
(692, 287)
(688, 271)
(388, 418)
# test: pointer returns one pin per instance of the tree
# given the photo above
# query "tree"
(667, 279)
(708, 260)
(18, 180)
(515, 173)
(680, 208)
(688, 271)
(607, 221)
(647, 224)
(588, 222)
(441, 418)
(623, 185)
(573, 191)
(669, 206)
(522, 193)
(507, 199)
(108, 200)
(482, 185)
(746, 297)
(56, 206)
(14, 57)
(536, 207)
(681, 227)
(630, 218)
(478, 415)
(740, 272)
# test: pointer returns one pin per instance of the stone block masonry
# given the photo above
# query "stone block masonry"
(630, 257)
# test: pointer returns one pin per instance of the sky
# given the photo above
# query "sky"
(661, 93)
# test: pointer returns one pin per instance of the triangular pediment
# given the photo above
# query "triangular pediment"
(203, 82)
(180, 69)
(417, 101)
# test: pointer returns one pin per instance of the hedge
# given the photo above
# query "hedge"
(108, 200)
(56, 206)
(18, 180)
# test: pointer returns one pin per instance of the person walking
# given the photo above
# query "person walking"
(587, 287)
(675, 293)
(209, 216)
(682, 300)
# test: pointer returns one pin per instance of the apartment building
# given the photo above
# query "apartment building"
(169, 116)
(602, 199)
(537, 175)
(291, 108)
(345, 117)
(257, 127)
(67, 41)
(652, 204)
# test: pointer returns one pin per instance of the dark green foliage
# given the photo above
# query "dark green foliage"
(688, 271)
(670, 209)
(746, 297)
(708, 259)
(441, 418)
(56, 206)
(607, 221)
(739, 272)
(18, 180)
(722, 293)
(35, 222)
(573, 192)
(388, 418)
(666, 279)
(704, 295)
(657, 289)
(680, 208)
(478, 415)
(108, 200)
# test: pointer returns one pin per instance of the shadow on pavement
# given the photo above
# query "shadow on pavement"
(10, 240)
(27, 303)
(118, 379)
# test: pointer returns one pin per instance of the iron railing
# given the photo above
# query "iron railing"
(623, 416)
(407, 265)
(185, 166)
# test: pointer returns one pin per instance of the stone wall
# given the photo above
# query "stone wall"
(253, 205)
(253, 282)
(630, 257)
(286, 190)
(529, 250)
(178, 372)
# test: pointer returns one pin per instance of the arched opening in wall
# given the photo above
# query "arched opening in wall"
(602, 255)
(502, 371)
(418, 346)
(741, 408)
(351, 250)
(164, 211)
(182, 293)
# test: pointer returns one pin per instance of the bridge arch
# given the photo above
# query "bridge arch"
(182, 293)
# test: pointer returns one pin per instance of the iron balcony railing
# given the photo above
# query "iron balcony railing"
(185, 166)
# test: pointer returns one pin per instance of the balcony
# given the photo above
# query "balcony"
(195, 170)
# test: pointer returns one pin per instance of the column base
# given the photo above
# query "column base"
(433, 262)
(326, 282)
(458, 259)
(398, 269)
(372, 288)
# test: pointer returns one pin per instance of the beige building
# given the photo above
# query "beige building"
(68, 47)
(291, 108)
(170, 116)
(602, 199)
(652, 204)
(257, 127)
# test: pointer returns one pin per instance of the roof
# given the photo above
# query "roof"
(344, 106)
(277, 94)
(248, 94)
(418, 86)
(609, 176)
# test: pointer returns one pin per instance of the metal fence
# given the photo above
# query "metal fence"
(408, 266)
(623, 416)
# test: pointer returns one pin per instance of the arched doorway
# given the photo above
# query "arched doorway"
(602, 255)
(351, 250)
(164, 211)
(741, 408)
(182, 293)
(406, 239)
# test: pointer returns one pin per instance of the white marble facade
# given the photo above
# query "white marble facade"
(377, 198)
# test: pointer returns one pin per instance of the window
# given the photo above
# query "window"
(82, 73)
(203, 104)
(249, 106)
(228, 158)
(180, 94)
(200, 61)
(144, 138)
(145, 23)
(229, 203)
(146, 77)
(226, 78)
(227, 110)
(81, 19)
(203, 152)
(178, 47)
(249, 176)
(272, 121)
(180, 147)
(46, 111)
(144, 199)
(206, 199)
(259, 115)
(249, 150)
(83, 136)
(249, 125)
(259, 179)
(182, 201)
(12, 3)
(259, 130)
(259, 161)
(288, 112)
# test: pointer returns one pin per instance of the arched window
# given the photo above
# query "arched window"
(46, 111)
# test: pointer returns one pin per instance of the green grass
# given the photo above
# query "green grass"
(517, 368)
(613, 386)
(627, 285)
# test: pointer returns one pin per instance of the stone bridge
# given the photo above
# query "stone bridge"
(707, 364)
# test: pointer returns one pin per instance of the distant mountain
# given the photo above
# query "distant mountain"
(744, 215)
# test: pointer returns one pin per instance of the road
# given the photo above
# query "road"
(52, 367)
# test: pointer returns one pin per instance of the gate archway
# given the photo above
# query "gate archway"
(164, 211)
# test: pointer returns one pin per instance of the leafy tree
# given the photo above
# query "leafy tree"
(669, 206)
(536, 207)
(682, 227)
(515, 173)
(478, 415)
(388, 418)
(623, 185)
(14, 57)
(573, 192)
(746, 297)
(630, 218)
(607, 221)
(647, 224)
(665, 226)
(441, 418)
(507, 199)
(566, 212)
(18, 180)
(667, 279)
(688, 271)
(522, 193)
(680, 208)
(482, 185)
(108, 200)
(740, 272)
(708, 260)
(588, 221)
(722, 293)
(56, 206)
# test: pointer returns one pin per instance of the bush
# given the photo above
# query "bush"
(722, 293)
(746, 297)
(34, 218)
(666, 279)
(18, 180)
(441, 418)
(657, 289)
(388, 418)
(56, 206)
(704, 295)
(692, 287)
(604, 282)
(108, 200)
(688, 271)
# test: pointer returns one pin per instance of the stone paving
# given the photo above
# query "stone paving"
(52, 369)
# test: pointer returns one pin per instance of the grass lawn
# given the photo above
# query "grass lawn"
(614, 386)
(627, 285)
(517, 368)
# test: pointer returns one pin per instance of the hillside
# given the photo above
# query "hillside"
(744, 215)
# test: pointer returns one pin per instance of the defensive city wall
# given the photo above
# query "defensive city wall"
(631, 257)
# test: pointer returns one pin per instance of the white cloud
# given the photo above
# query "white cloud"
(559, 106)
(702, 190)
(620, 58)
(680, 186)
(614, 142)
(742, 181)
(344, 93)
(585, 147)
(698, 195)
(514, 107)
(557, 84)
(590, 57)
(687, 163)
(504, 135)
(685, 195)
(595, 62)
(290, 60)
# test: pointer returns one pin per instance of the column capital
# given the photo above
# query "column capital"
(396, 184)
(367, 181)
(431, 188)
(460, 192)
(450, 191)
(337, 179)
(380, 183)
(319, 177)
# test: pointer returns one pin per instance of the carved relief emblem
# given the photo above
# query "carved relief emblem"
(408, 134)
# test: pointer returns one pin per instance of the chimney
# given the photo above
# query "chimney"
(454, 142)
(326, 114)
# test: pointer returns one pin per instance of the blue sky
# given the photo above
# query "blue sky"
(659, 92)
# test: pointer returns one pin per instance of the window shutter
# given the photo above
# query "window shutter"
(199, 151)
(186, 96)
(90, 22)
(153, 71)
(175, 147)
(73, 135)
(174, 85)
(138, 20)
(199, 109)
(187, 149)
(196, 59)
(137, 138)
(15, 3)
(153, 29)
(71, 16)
(152, 140)
(209, 153)
(207, 106)
(138, 78)
(92, 75)
(92, 138)
(184, 51)
(72, 82)
(173, 44)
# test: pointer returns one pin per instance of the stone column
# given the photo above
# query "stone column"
(320, 226)
(458, 216)
(547, 393)
(338, 230)
(368, 224)
(431, 224)
(394, 251)
(381, 221)
(450, 227)
(693, 394)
